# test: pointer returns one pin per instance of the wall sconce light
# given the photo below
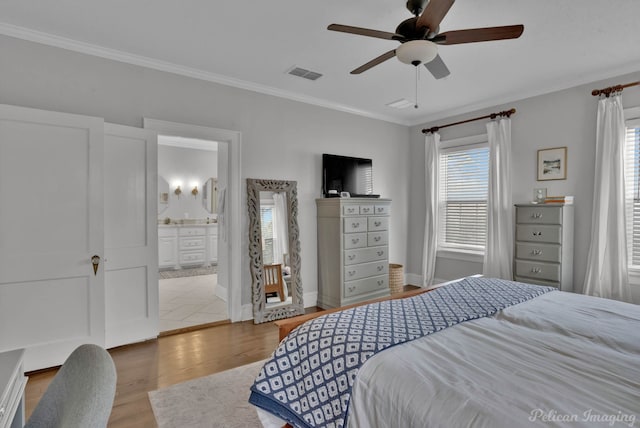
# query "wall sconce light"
(178, 191)
(194, 192)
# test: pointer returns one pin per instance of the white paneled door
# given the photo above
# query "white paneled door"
(72, 188)
(131, 238)
(51, 225)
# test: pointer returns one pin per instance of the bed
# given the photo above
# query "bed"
(478, 352)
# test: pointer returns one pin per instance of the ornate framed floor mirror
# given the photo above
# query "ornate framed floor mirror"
(274, 249)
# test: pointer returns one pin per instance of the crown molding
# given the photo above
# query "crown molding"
(534, 92)
(48, 39)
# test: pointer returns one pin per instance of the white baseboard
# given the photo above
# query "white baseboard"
(413, 279)
(221, 292)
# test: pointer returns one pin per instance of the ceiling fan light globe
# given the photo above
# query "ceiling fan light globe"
(420, 51)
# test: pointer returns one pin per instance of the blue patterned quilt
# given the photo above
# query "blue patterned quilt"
(307, 382)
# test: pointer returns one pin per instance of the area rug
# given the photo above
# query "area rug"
(181, 273)
(215, 401)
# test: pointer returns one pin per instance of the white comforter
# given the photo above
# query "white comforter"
(560, 359)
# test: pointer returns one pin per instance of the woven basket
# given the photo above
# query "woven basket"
(396, 278)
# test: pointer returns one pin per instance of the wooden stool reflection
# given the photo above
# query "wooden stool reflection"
(273, 282)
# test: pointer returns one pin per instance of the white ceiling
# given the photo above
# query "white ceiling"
(252, 44)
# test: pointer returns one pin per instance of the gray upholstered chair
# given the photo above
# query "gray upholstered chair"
(81, 393)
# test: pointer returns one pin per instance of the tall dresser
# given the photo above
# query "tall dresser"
(544, 245)
(353, 250)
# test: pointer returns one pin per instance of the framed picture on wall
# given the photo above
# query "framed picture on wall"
(552, 164)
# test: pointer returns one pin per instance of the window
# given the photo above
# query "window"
(464, 182)
(632, 180)
(266, 222)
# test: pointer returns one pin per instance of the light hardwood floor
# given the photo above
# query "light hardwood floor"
(169, 360)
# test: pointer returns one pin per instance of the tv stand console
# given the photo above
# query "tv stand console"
(353, 250)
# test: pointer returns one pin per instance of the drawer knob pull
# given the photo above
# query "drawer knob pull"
(380, 209)
(377, 223)
(536, 215)
(536, 270)
(380, 281)
(537, 233)
(352, 272)
(377, 238)
(536, 252)
(380, 253)
(352, 289)
(365, 210)
(352, 256)
(355, 240)
(380, 268)
(355, 225)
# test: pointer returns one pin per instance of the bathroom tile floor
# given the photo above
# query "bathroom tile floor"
(189, 301)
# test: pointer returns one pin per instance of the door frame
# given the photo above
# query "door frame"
(234, 226)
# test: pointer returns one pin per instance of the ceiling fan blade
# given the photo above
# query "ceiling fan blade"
(438, 68)
(479, 35)
(434, 13)
(382, 58)
(365, 32)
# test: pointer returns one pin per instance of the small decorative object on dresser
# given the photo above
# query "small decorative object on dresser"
(552, 164)
(353, 259)
(544, 245)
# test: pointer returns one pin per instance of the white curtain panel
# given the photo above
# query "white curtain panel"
(280, 232)
(607, 271)
(498, 255)
(432, 150)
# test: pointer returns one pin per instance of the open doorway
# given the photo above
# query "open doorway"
(188, 174)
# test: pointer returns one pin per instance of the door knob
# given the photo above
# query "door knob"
(95, 261)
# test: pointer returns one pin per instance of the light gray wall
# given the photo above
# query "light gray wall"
(187, 166)
(281, 139)
(563, 118)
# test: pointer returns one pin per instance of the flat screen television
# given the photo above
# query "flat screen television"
(347, 174)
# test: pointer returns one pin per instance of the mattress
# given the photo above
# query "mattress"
(560, 359)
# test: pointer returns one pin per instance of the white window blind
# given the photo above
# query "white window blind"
(632, 180)
(464, 182)
(266, 223)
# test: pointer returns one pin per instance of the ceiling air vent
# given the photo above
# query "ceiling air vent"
(305, 74)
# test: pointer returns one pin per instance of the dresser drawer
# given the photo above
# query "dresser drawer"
(192, 257)
(367, 285)
(537, 281)
(381, 209)
(377, 238)
(193, 231)
(366, 209)
(363, 255)
(539, 215)
(539, 233)
(354, 240)
(541, 270)
(189, 243)
(351, 210)
(539, 252)
(355, 224)
(365, 270)
(377, 223)
(167, 231)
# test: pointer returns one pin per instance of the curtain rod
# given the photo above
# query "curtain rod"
(611, 89)
(491, 116)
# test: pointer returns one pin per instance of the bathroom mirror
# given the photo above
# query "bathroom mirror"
(163, 194)
(210, 195)
(274, 249)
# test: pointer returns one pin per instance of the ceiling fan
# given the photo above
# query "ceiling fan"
(420, 35)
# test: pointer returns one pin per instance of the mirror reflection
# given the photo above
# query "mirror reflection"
(210, 195)
(163, 194)
(274, 249)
